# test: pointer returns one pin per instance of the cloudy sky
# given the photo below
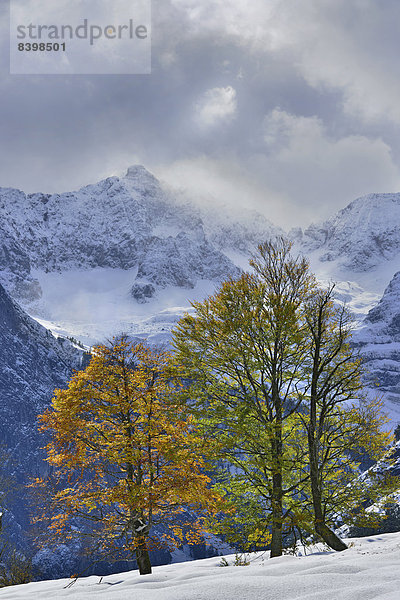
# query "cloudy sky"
(290, 106)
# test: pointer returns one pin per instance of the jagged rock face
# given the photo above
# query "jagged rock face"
(379, 340)
(142, 292)
(117, 223)
(12, 256)
(15, 267)
(33, 363)
(360, 236)
(386, 314)
(179, 262)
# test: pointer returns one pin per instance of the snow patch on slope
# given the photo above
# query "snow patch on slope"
(94, 305)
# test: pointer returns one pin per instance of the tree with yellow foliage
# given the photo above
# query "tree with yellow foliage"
(278, 382)
(244, 350)
(343, 426)
(125, 455)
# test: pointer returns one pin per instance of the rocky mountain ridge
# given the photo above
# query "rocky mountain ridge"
(360, 236)
(119, 223)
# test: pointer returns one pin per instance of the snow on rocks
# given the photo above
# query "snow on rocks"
(361, 236)
(119, 223)
(379, 341)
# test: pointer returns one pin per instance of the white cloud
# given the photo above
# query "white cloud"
(239, 18)
(336, 45)
(317, 173)
(216, 105)
(219, 183)
(284, 129)
(332, 58)
(302, 175)
(350, 47)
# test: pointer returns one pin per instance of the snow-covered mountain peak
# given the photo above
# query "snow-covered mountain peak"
(375, 216)
(132, 225)
(120, 223)
(361, 236)
(161, 240)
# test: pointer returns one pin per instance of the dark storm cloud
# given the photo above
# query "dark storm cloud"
(293, 111)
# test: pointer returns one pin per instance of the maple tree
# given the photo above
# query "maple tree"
(343, 425)
(278, 383)
(126, 456)
(244, 349)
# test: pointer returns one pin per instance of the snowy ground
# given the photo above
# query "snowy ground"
(370, 569)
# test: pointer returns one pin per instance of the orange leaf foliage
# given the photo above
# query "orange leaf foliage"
(123, 448)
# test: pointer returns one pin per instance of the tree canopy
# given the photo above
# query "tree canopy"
(275, 377)
(126, 456)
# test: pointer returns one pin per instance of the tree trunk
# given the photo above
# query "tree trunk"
(329, 537)
(143, 558)
(321, 527)
(276, 529)
(315, 428)
(277, 491)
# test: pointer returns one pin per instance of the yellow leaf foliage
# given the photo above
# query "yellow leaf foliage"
(123, 448)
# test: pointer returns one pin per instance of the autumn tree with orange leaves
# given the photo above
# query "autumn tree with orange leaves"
(125, 456)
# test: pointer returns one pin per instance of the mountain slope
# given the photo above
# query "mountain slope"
(121, 223)
(379, 341)
(85, 262)
(33, 363)
(359, 248)
(361, 236)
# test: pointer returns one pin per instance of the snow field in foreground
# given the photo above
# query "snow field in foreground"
(369, 569)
